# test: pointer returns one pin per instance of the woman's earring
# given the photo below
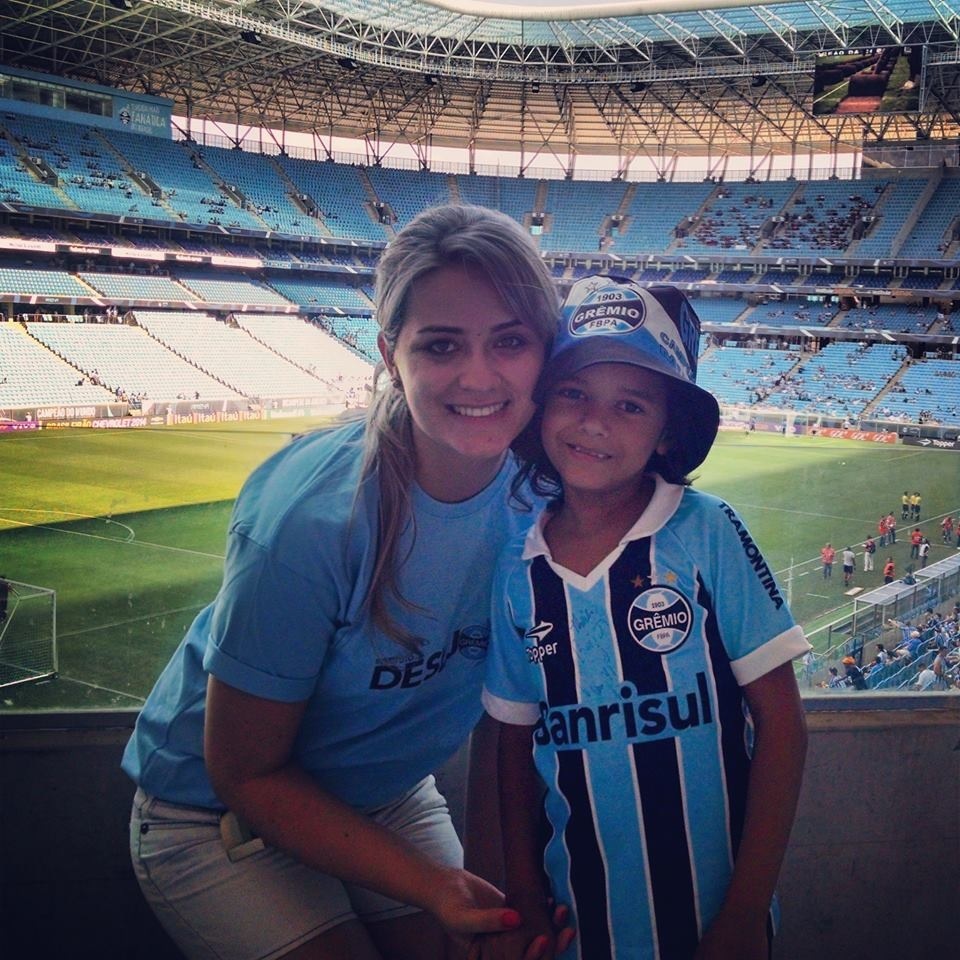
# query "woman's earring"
(397, 383)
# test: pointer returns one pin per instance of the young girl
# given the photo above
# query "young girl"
(640, 656)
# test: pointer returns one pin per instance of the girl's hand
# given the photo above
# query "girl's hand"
(735, 939)
(533, 939)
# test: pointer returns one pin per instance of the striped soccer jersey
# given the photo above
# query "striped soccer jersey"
(631, 678)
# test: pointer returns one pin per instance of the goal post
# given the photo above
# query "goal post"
(28, 632)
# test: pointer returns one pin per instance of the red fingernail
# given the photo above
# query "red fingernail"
(510, 919)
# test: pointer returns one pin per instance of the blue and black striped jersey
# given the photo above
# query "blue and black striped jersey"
(631, 677)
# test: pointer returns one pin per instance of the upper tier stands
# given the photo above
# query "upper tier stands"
(188, 189)
(128, 361)
(31, 375)
(516, 198)
(339, 193)
(263, 186)
(820, 217)
(897, 203)
(231, 355)
(576, 213)
(929, 237)
(88, 172)
(735, 215)
(655, 211)
(407, 192)
(18, 185)
(125, 174)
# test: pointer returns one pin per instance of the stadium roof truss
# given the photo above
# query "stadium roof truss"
(654, 78)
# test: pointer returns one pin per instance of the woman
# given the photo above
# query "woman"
(285, 803)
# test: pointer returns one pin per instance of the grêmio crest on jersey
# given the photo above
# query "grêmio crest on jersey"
(660, 619)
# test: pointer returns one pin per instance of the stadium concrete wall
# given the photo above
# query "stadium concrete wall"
(871, 872)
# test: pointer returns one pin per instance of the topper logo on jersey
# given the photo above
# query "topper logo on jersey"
(660, 619)
(617, 311)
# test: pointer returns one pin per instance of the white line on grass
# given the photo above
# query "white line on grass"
(66, 513)
(97, 686)
(127, 622)
(129, 540)
(801, 513)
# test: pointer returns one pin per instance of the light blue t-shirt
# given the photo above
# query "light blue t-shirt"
(631, 677)
(290, 624)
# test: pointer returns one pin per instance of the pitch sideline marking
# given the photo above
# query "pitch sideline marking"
(129, 620)
(131, 540)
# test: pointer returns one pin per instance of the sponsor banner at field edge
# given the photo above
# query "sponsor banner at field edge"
(82, 411)
(119, 423)
(870, 436)
(932, 443)
(81, 423)
(11, 425)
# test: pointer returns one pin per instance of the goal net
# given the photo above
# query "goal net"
(28, 632)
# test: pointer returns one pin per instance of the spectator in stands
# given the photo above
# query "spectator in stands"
(854, 674)
(342, 660)
(941, 666)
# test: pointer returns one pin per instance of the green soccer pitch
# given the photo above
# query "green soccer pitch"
(128, 527)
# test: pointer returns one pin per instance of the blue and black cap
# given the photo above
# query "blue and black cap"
(615, 320)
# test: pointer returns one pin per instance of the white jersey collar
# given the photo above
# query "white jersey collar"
(662, 506)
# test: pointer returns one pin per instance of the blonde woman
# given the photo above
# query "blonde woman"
(285, 803)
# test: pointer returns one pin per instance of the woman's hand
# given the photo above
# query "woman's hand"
(466, 904)
(540, 936)
(532, 939)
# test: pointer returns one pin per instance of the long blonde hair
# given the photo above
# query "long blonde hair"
(438, 237)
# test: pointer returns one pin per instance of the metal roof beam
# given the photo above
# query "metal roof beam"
(891, 22)
(948, 16)
(786, 32)
(680, 35)
(836, 27)
(732, 34)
